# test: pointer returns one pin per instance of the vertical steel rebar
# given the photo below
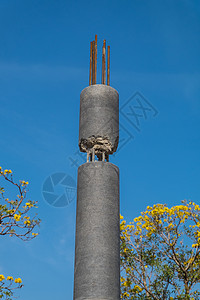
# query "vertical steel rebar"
(104, 62)
(93, 61)
(90, 72)
(95, 77)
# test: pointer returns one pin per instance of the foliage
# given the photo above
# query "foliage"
(7, 286)
(15, 220)
(160, 253)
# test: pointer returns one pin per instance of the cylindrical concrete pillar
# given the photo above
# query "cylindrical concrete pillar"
(97, 251)
(99, 119)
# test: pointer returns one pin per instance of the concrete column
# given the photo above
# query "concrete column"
(99, 119)
(97, 252)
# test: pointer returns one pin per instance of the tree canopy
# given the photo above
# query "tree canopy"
(16, 220)
(160, 253)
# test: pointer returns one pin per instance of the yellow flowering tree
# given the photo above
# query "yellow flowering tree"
(8, 285)
(160, 254)
(15, 220)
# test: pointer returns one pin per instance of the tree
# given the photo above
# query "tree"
(15, 220)
(160, 253)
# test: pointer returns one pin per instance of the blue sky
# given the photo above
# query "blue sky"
(44, 59)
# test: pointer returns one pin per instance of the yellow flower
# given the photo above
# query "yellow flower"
(121, 217)
(17, 217)
(34, 234)
(138, 288)
(7, 172)
(18, 280)
(27, 222)
(1, 277)
(23, 182)
(29, 204)
(126, 294)
(9, 278)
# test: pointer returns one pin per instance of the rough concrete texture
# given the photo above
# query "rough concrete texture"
(97, 251)
(99, 119)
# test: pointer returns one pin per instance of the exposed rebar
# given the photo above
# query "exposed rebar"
(93, 63)
(90, 75)
(95, 68)
(104, 63)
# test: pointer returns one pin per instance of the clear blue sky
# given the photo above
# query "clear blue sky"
(44, 58)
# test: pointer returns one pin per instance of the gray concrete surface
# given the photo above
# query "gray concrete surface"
(99, 119)
(97, 251)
